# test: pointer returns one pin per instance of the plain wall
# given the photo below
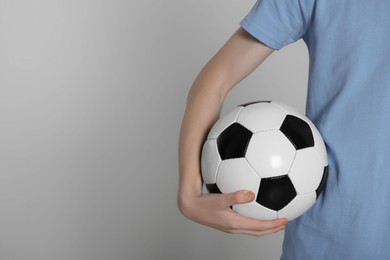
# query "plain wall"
(92, 94)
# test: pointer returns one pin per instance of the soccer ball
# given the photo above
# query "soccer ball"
(271, 149)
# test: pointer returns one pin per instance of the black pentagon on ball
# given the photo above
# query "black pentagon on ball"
(298, 132)
(276, 192)
(323, 181)
(233, 141)
(213, 188)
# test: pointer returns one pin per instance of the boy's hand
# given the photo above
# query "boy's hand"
(214, 210)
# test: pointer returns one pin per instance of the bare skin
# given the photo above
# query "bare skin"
(240, 55)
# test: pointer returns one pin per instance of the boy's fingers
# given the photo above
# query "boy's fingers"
(257, 233)
(246, 223)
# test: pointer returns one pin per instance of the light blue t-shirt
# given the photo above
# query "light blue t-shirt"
(349, 101)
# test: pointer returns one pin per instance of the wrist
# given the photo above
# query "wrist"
(189, 189)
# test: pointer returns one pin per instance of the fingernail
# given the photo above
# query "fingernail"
(249, 195)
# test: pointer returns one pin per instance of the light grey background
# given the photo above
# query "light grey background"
(92, 93)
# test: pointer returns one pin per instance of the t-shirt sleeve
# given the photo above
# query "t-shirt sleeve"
(278, 23)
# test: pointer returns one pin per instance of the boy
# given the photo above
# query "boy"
(348, 100)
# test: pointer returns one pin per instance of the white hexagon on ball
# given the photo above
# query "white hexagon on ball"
(270, 153)
(210, 161)
(270, 117)
(299, 205)
(307, 170)
(236, 174)
(319, 143)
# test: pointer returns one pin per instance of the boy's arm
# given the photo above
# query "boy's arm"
(233, 62)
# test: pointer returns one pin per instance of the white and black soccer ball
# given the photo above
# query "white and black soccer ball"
(271, 149)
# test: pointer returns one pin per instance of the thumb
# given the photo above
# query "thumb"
(238, 197)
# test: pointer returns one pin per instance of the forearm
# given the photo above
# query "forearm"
(204, 104)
